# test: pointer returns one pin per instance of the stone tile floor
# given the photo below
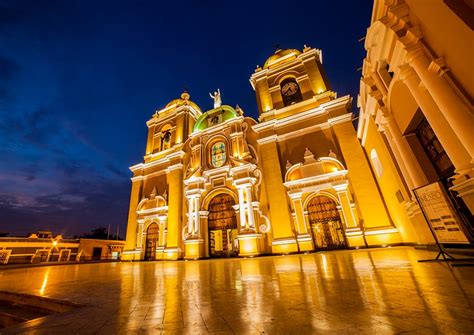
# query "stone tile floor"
(377, 291)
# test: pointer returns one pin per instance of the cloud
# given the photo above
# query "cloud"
(55, 178)
(79, 207)
(116, 171)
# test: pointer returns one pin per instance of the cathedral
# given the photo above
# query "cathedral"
(217, 183)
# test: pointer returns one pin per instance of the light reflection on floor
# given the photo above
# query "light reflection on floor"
(381, 291)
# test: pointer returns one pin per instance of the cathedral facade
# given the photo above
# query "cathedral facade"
(217, 183)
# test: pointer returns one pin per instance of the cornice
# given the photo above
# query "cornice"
(304, 116)
(167, 159)
(340, 119)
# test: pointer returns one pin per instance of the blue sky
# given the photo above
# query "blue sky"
(79, 79)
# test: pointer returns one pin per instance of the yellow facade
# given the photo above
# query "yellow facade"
(416, 114)
(220, 184)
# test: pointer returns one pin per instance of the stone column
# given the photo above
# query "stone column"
(194, 206)
(457, 113)
(249, 239)
(249, 206)
(194, 244)
(247, 217)
(408, 158)
(197, 219)
(190, 215)
(243, 221)
(398, 158)
(448, 138)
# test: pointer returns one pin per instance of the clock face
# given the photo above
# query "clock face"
(289, 88)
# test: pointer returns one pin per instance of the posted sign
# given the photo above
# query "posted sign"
(440, 214)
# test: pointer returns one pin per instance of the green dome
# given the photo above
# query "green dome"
(213, 117)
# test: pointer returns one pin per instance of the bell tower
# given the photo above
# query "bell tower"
(157, 182)
(170, 127)
(290, 81)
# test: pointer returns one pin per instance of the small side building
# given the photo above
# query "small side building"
(42, 247)
(93, 249)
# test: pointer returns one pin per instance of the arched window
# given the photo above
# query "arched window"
(166, 142)
(218, 154)
(290, 91)
(376, 163)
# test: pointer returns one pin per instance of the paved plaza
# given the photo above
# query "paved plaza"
(378, 291)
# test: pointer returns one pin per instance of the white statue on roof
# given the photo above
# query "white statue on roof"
(217, 98)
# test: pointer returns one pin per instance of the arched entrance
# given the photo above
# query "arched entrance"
(326, 225)
(222, 223)
(152, 235)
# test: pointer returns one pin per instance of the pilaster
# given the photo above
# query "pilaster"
(174, 176)
(194, 243)
(369, 200)
(283, 237)
(249, 239)
(132, 225)
(304, 239)
(347, 212)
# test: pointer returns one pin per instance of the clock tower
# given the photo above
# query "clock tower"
(300, 116)
(287, 78)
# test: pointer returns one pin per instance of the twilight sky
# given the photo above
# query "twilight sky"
(79, 79)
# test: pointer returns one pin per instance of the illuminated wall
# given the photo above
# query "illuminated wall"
(298, 179)
(416, 86)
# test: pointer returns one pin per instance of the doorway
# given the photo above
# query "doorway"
(64, 255)
(152, 235)
(96, 254)
(326, 224)
(444, 169)
(222, 223)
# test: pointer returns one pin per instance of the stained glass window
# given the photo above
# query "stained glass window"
(218, 154)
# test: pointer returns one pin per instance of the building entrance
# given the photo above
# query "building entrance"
(152, 235)
(326, 225)
(223, 230)
(444, 169)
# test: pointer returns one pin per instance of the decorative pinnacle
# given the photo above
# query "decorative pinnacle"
(185, 95)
